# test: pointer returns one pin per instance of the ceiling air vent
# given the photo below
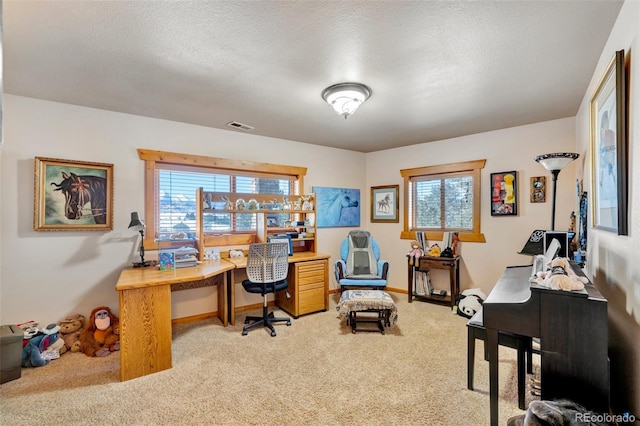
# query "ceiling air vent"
(240, 126)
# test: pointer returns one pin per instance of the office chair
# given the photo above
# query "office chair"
(267, 267)
(360, 264)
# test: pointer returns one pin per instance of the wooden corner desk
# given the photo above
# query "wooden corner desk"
(145, 312)
(145, 305)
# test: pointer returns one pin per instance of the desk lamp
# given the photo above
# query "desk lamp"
(554, 163)
(137, 225)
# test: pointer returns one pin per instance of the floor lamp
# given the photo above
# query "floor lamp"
(137, 225)
(554, 163)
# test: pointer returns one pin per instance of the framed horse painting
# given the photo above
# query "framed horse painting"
(384, 204)
(72, 195)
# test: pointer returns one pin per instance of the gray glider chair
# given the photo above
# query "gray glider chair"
(360, 264)
(267, 267)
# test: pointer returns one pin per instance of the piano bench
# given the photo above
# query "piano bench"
(523, 344)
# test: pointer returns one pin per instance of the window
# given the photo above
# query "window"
(173, 179)
(443, 198)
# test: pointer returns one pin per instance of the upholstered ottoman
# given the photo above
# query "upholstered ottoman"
(367, 306)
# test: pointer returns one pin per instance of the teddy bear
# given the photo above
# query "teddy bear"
(415, 253)
(469, 302)
(70, 329)
(97, 337)
(560, 276)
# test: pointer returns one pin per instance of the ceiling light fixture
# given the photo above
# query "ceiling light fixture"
(345, 98)
(554, 163)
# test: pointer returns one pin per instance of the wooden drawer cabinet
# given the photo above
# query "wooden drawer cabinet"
(308, 287)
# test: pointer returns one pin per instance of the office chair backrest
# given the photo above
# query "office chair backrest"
(268, 262)
(361, 259)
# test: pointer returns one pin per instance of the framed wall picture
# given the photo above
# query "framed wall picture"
(538, 189)
(609, 149)
(504, 194)
(337, 207)
(384, 203)
(72, 195)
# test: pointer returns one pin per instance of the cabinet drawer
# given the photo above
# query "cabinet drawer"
(303, 286)
(311, 300)
(311, 277)
(445, 263)
(317, 266)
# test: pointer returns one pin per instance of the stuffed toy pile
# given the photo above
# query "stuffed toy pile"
(98, 337)
(41, 345)
(561, 276)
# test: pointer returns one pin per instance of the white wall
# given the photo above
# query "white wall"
(613, 260)
(611, 255)
(46, 276)
(505, 150)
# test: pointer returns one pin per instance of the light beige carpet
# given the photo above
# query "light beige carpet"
(315, 372)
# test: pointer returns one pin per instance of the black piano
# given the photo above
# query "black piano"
(573, 332)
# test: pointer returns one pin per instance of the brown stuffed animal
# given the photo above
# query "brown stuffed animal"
(70, 330)
(97, 337)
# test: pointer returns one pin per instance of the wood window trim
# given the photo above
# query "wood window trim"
(472, 167)
(152, 158)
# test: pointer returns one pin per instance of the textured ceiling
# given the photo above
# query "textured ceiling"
(438, 69)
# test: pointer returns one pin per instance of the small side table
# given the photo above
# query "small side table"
(425, 263)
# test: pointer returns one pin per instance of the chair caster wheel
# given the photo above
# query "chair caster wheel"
(244, 333)
(273, 334)
(247, 321)
(288, 323)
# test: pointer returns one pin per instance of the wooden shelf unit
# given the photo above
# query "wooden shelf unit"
(301, 221)
(425, 263)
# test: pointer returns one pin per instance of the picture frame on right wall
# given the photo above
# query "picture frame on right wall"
(608, 120)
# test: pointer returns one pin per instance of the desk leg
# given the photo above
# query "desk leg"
(223, 298)
(410, 279)
(231, 296)
(457, 282)
(492, 344)
(145, 331)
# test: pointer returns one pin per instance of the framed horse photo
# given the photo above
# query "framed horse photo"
(72, 195)
(384, 204)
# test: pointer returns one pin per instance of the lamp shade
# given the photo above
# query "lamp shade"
(136, 224)
(556, 161)
(345, 98)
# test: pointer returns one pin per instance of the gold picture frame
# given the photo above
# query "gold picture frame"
(72, 195)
